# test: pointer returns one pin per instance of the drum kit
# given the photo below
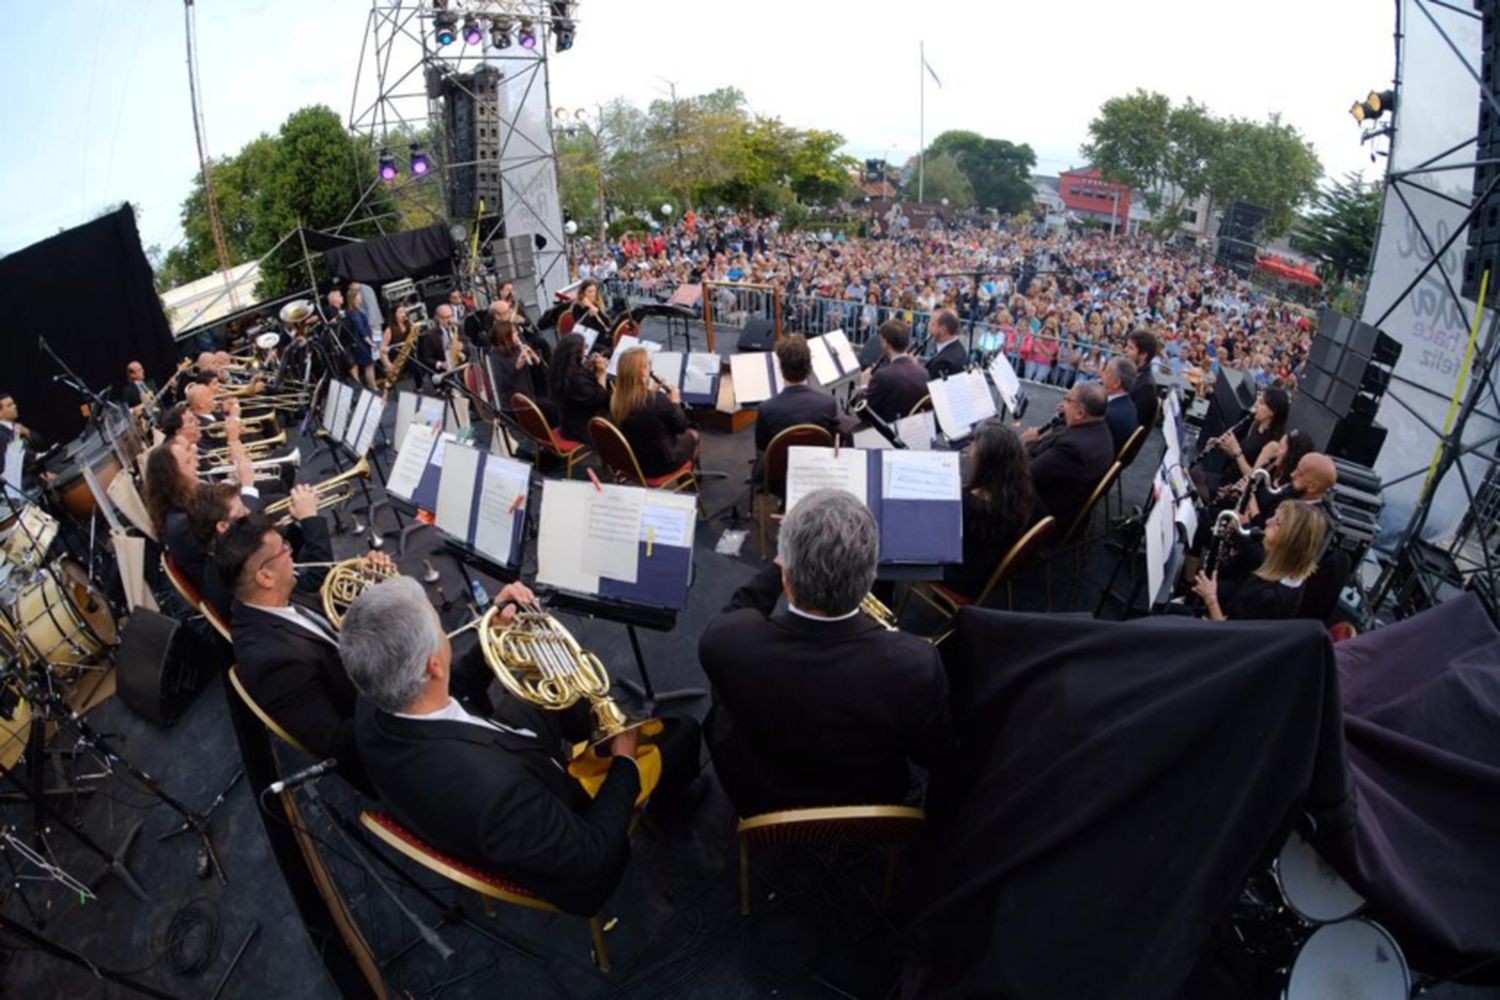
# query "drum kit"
(1301, 927)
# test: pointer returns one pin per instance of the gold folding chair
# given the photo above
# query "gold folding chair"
(886, 826)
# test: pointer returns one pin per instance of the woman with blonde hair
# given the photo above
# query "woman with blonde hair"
(651, 417)
(1294, 544)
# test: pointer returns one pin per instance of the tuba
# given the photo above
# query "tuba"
(346, 581)
(331, 492)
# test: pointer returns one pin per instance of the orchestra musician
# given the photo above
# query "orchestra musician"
(11, 429)
(897, 382)
(138, 393)
(1120, 414)
(493, 791)
(1141, 349)
(951, 356)
(588, 307)
(441, 346)
(516, 365)
(172, 482)
(215, 506)
(1293, 541)
(651, 417)
(999, 504)
(578, 386)
(797, 402)
(180, 422)
(815, 703)
(1067, 462)
(334, 333)
(395, 334)
(1267, 423)
(363, 336)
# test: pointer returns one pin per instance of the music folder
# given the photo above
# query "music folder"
(622, 543)
(1007, 383)
(961, 401)
(337, 422)
(833, 357)
(696, 374)
(756, 375)
(915, 496)
(481, 500)
(419, 466)
(626, 343)
(365, 423)
(412, 405)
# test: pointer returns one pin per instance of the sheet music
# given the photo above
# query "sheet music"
(611, 530)
(411, 460)
(917, 430)
(667, 366)
(365, 437)
(626, 343)
(504, 481)
(414, 406)
(664, 525)
(753, 383)
(357, 420)
(15, 462)
(831, 353)
(1007, 384)
(560, 545)
(961, 401)
(920, 475)
(811, 469)
(343, 403)
(330, 404)
(455, 497)
(699, 372)
(440, 449)
(1158, 543)
(589, 335)
(458, 419)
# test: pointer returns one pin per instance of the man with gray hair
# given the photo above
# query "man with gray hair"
(1119, 412)
(1067, 462)
(492, 792)
(814, 702)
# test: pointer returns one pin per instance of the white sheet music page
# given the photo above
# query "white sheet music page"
(459, 418)
(753, 383)
(917, 430)
(811, 469)
(330, 404)
(455, 497)
(869, 439)
(920, 475)
(343, 403)
(961, 401)
(611, 529)
(371, 425)
(505, 480)
(626, 343)
(411, 460)
(1007, 384)
(839, 344)
(824, 369)
(357, 420)
(668, 518)
(699, 372)
(560, 540)
(667, 366)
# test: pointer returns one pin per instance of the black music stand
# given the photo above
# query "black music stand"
(631, 616)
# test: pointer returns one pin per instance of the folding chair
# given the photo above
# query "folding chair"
(619, 459)
(773, 470)
(534, 422)
(947, 601)
(1075, 540)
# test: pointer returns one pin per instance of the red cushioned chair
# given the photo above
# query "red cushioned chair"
(534, 422)
(180, 582)
(947, 601)
(487, 884)
(619, 459)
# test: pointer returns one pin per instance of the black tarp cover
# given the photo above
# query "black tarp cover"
(1116, 784)
(1422, 731)
(415, 254)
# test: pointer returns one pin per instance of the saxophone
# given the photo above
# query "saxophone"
(403, 355)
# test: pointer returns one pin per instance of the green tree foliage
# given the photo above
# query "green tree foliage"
(999, 172)
(943, 178)
(1267, 164)
(1339, 229)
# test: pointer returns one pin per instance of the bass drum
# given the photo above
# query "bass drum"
(25, 543)
(72, 490)
(61, 618)
(1352, 960)
(15, 712)
(1310, 886)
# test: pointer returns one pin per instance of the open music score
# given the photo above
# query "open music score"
(833, 357)
(961, 401)
(695, 374)
(626, 343)
(414, 406)
(757, 376)
(626, 543)
(481, 502)
(343, 405)
(419, 465)
(914, 495)
(1007, 383)
(365, 423)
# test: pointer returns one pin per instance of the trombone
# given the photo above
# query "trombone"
(331, 492)
(258, 449)
(257, 423)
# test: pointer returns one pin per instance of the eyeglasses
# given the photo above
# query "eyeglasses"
(286, 548)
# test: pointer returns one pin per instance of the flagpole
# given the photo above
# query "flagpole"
(921, 118)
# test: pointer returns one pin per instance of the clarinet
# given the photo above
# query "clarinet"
(1203, 452)
(882, 426)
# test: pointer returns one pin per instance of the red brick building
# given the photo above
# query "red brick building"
(1086, 193)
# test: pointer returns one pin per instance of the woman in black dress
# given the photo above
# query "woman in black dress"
(1294, 543)
(578, 386)
(513, 363)
(651, 419)
(999, 505)
(1267, 424)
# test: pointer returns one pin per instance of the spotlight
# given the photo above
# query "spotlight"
(388, 169)
(528, 36)
(562, 35)
(420, 165)
(500, 32)
(1357, 111)
(570, 227)
(472, 34)
(444, 28)
(1381, 101)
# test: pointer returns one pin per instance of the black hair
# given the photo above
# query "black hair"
(236, 547)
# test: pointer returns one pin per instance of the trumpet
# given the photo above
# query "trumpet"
(265, 470)
(256, 423)
(331, 492)
(257, 449)
(876, 609)
(293, 401)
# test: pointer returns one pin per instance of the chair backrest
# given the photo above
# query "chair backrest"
(180, 583)
(532, 420)
(773, 469)
(614, 451)
(923, 405)
(260, 713)
(880, 826)
(1320, 592)
(384, 826)
(625, 326)
(1131, 447)
(566, 322)
(1081, 522)
(217, 621)
(1019, 555)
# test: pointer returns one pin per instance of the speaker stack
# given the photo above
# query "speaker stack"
(1240, 235)
(1347, 372)
(1483, 251)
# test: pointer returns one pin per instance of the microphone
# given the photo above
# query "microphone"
(303, 776)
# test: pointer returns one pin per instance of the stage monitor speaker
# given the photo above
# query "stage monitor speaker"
(1234, 393)
(1358, 441)
(759, 335)
(1312, 418)
(160, 666)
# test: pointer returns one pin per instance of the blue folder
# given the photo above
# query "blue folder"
(914, 531)
(660, 581)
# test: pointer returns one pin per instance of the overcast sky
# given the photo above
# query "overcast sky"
(98, 109)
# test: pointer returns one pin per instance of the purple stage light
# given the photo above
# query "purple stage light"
(472, 34)
(528, 36)
(388, 169)
(420, 165)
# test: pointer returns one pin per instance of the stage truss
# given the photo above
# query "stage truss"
(397, 98)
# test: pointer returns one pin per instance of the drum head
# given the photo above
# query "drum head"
(1311, 887)
(1352, 960)
(89, 602)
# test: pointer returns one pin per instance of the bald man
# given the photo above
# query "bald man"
(1312, 480)
(138, 390)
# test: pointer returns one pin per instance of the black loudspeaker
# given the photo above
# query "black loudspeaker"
(160, 666)
(1313, 419)
(758, 335)
(1357, 441)
(1483, 251)
(1234, 395)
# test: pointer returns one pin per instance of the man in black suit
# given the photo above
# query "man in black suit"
(898, 381)
(216, 506)
(816, 704)
(11, 429)
(1119, 409)
(951, 357)
(797, 402)
(1141, 348)
(492, 792)
(436, 345)
(138, 389)
(1067, 463)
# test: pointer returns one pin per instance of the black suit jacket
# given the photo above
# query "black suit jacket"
(133, 394)
(895, 387)
(298, 680)
(796, 404)
(1066, 465)
(430, 350)
(655, 434)
(1122, 419)
(1143, 394)
(951, 360)
(583, 399)
(504, 803)
(187, 555)
(815, 713)
(310, 542)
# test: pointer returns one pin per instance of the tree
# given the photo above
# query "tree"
(998, 171)
(1143, 141)
(1339, 229)
(944, 179)
(1267, 164)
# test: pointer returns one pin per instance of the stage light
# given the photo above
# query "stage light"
(388, 168)
(472, 34)
(528, 36)
(570, 227)
(562, 35)
(444, 28)
(420, 165)
(1357, 111)
(1381, 101)
(666, 209)
(500, 32)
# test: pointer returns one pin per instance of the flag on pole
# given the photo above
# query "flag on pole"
(928, 66)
